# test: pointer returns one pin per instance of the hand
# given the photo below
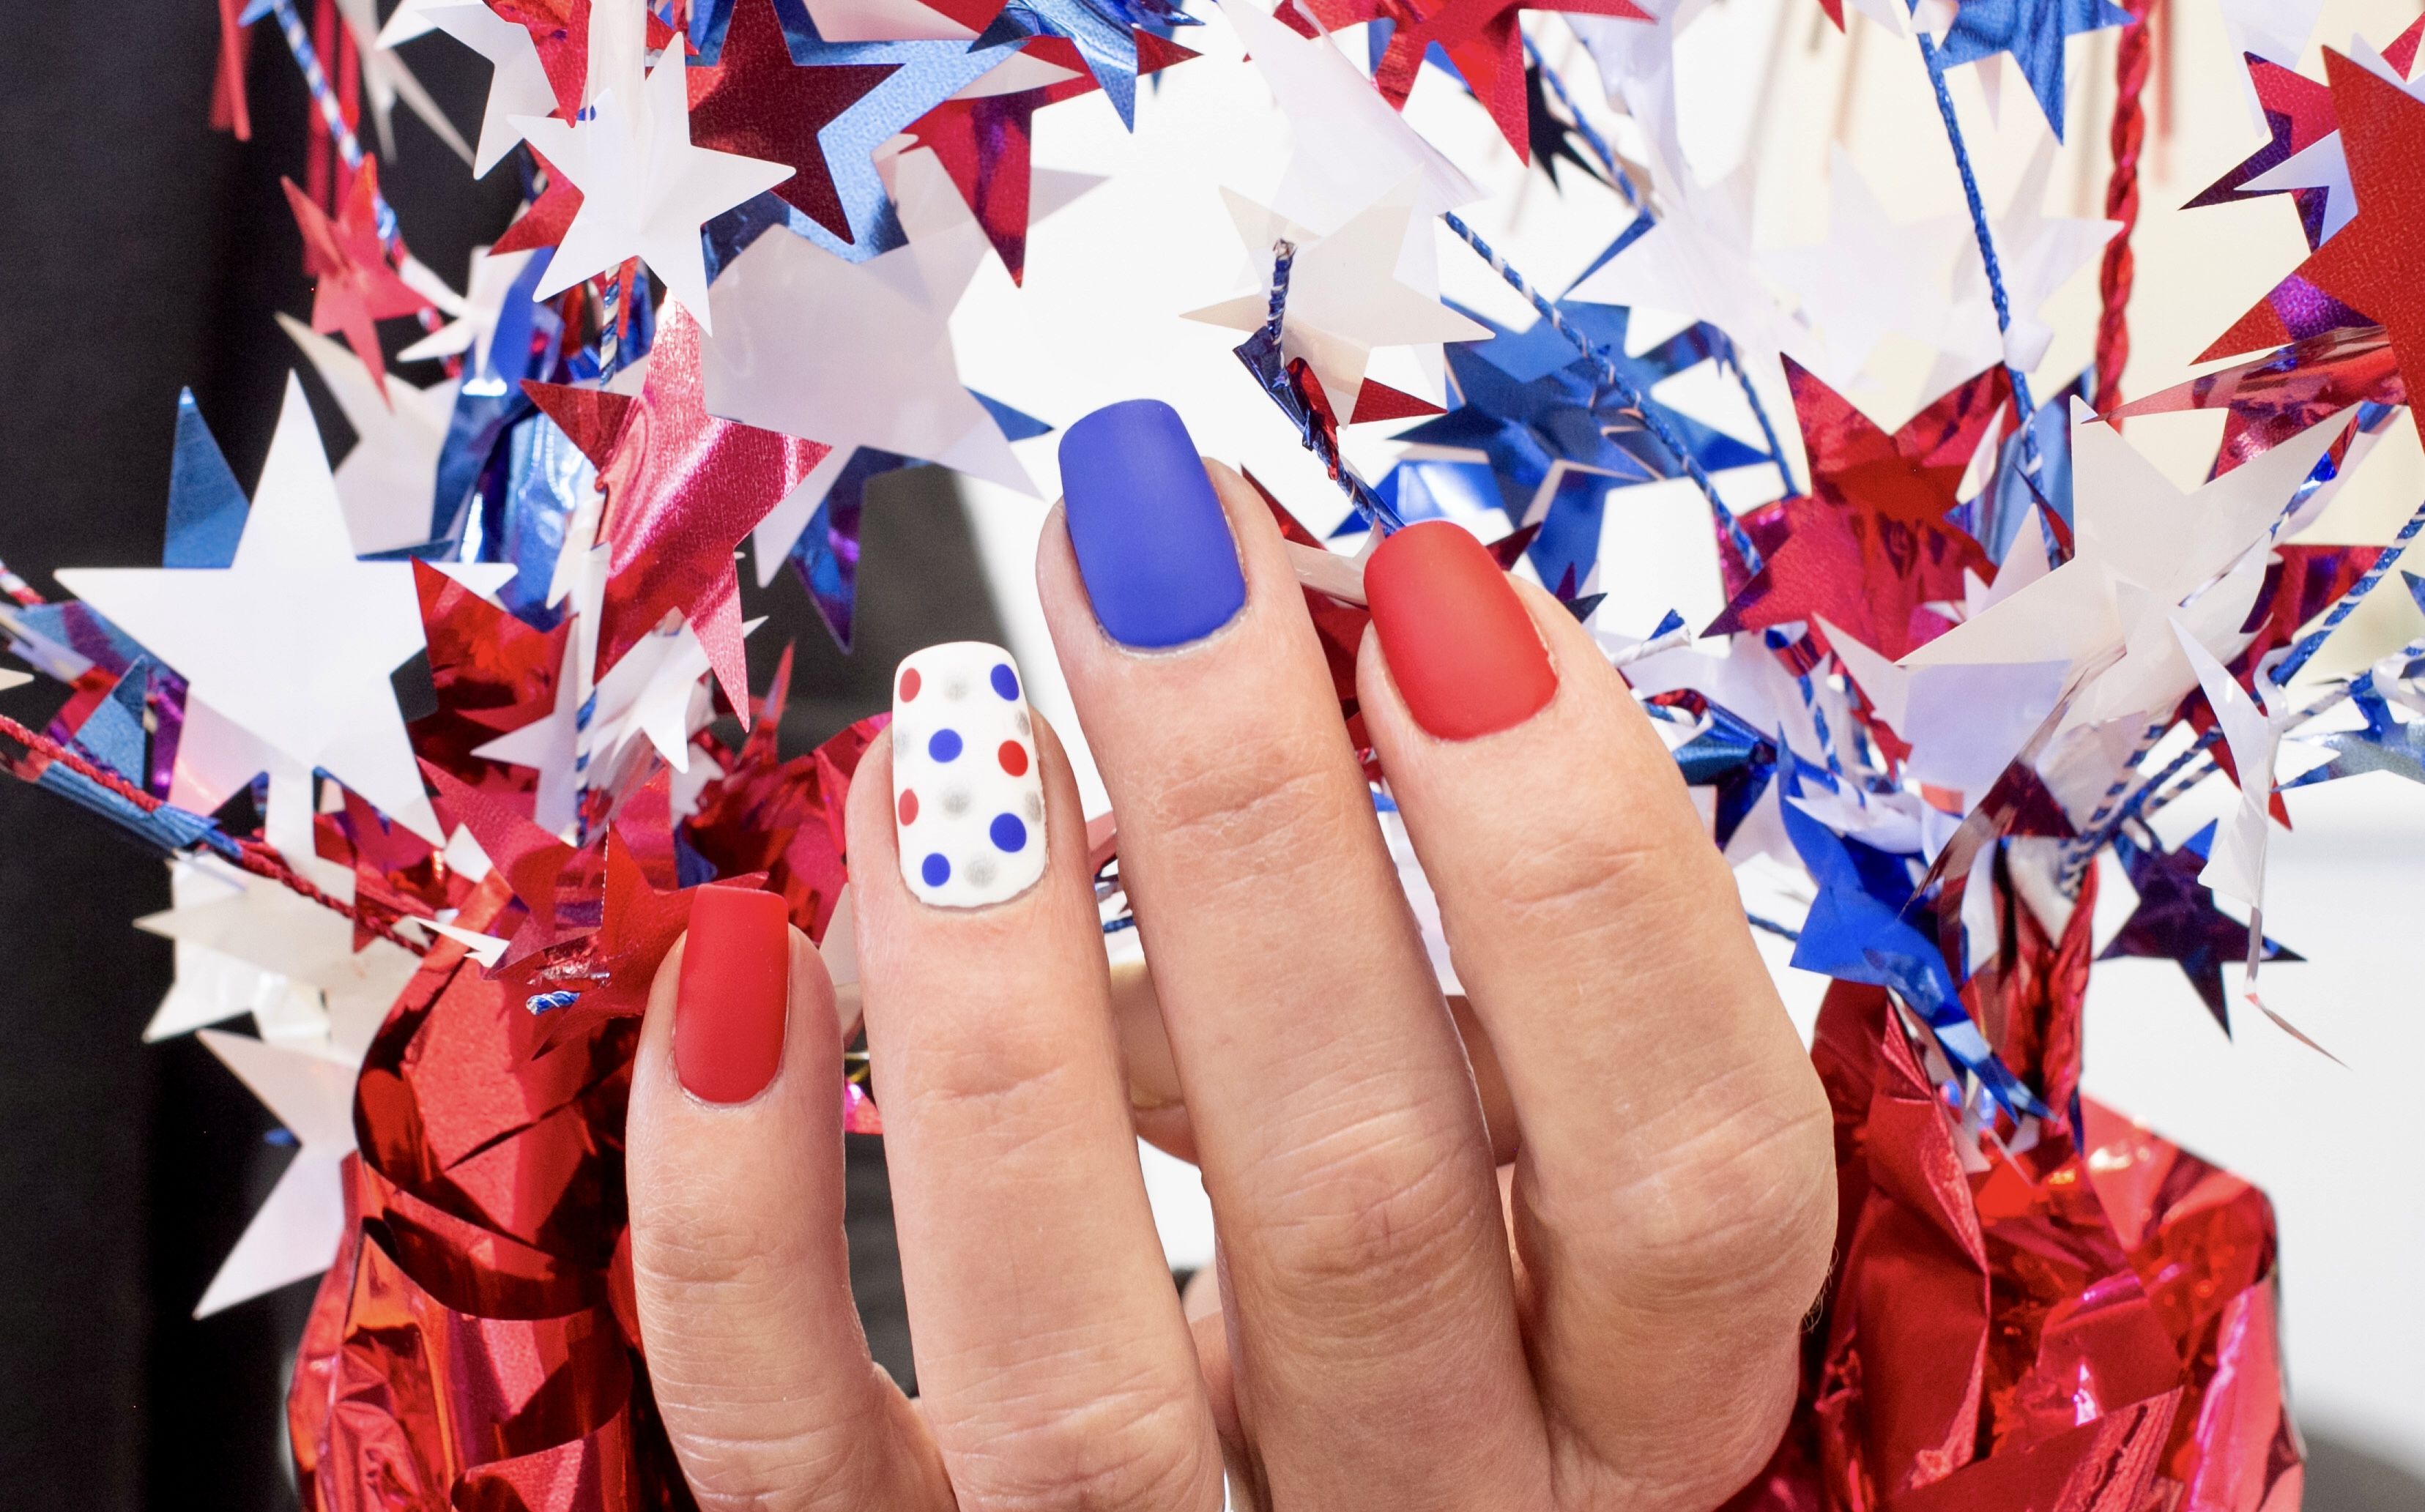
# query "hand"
(1606, 1315)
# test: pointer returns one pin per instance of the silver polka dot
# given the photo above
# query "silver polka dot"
(1019, 721)
(955, 800)
(1034, 808)
(980, 871)
(956, 689)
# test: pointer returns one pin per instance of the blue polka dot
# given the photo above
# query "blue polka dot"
(935, 870)
(944, 745)
(1007, 833)
(1005, 681)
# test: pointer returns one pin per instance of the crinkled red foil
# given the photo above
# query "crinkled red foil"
(474, 1348)
(2087, 1325)
(2084, 1325)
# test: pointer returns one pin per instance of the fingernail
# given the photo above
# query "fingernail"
(1465, 655)
(968, 803)
(1153, 544)
(730, 1005)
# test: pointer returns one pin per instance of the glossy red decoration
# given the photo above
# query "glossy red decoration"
(2065, 1319)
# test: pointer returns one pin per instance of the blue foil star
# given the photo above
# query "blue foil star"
(2177, 921)
(1532, 406)
(2385, 744)
(2033, 31)
(1104, 32)
(924, 74)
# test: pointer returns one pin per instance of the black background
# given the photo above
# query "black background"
(140, 251)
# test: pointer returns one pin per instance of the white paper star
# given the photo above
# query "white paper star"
(387, 481)
(296, 1231)
(293, 643)
(787, 305)
(1346, 296)
(1697, 262)
(475, 326)
(2143, 551)
(518, 84)
(2324, 164)
(1870, 276)
(387, 79)
(2274, 31)
(645, 189)
(2038, 254)
(551, 746)
(1350, 148)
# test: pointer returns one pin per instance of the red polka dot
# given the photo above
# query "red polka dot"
(908, 805)
(908, 684)
(1013, 757)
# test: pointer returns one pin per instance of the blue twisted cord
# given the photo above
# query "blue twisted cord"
(1629, 397)
(2022, 399)
(349, 146)
(1624, 181)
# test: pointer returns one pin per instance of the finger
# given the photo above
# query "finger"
(1674, 1198)
(1375, 1354)
(736, 1179)
(1053, 1358)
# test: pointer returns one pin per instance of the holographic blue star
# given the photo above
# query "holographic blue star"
(2176, 920)
(1532, 406)
(1104, 32)
(924, 74)
(2033, 31)
(2385, 745)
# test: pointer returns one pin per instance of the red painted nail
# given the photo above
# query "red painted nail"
(729, 1007)
(1463, 651)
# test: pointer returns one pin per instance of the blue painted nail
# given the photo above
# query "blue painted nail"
(1153, 544)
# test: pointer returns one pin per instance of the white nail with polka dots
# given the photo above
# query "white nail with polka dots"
(967, 803)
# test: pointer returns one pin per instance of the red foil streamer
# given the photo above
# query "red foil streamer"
(2083, 1325)
(476, 1347)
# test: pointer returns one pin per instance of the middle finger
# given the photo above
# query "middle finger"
(1377, 1360)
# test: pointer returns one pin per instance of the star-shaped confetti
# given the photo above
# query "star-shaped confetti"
(985, 142)
(683, 489)
(2298, 114)
(919, 75)
(518, 80)
(1555, 440)
(1869, 547)
(2385, 743)
(1104, 32)
(788, 305)
(1480, 39)
(754, 101)
(2370, 273)
(2175, 920)
(354, 287)
(387, 481)
(2034, 32)
(646, 189)
(292, 643)
(1346, 294)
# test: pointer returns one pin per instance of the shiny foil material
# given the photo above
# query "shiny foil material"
(474, 1348)
(2082, 1321)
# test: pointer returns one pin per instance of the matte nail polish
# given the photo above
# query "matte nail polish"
(968, 803)
(1465, 655)
(1153, 544)
(731, 1003)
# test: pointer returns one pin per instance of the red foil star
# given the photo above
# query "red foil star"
(1869, 547)
(1480, 37)
(983, 143)
(354, 287)
(2371, 273)
(560, 30)
(492, 675)
(754, 100)
(683, 489)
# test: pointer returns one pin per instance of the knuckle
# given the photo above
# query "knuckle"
(1266, 798)
(1600, 876)
(1367, 1219)
(1137, 1446)
(1735, 1211)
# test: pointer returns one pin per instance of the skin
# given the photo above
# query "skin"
(1548, 1246)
